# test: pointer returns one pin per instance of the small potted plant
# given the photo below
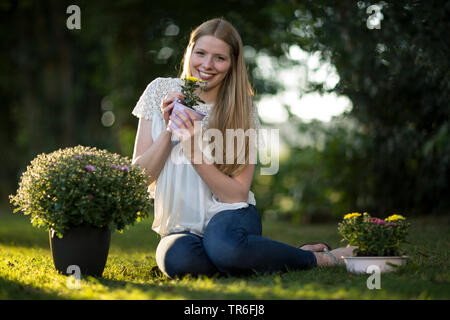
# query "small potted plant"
(80, 195)
(190, 85)
(378, 241)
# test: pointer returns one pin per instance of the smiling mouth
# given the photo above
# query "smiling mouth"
(205, 76)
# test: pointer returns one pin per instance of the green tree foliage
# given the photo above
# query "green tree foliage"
(322, 174)
(398, 80)
(391, 153)
(56, 84)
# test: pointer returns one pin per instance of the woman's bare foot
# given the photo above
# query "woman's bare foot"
(326, 259)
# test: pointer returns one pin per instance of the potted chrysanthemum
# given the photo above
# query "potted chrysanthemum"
(80, 195)
(378, 241)
(192, 99)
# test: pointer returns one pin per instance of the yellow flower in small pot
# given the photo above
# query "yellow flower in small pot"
(191, 84)
(191, 99)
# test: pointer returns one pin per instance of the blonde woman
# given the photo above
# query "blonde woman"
(205, 213)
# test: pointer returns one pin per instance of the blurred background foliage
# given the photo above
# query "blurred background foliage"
(390, 153)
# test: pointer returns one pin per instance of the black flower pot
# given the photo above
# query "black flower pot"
(85, 247)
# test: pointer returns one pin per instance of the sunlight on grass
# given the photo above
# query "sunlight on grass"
(27, 271)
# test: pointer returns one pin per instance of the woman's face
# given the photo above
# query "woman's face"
(210, 61)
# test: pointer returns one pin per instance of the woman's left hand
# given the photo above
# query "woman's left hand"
(189, 128)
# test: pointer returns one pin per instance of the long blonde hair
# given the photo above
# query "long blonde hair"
(234, 104)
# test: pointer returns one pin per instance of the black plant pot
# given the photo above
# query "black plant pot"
(85, 247)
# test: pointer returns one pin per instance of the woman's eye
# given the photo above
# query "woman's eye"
(200, 53)
(221, 58)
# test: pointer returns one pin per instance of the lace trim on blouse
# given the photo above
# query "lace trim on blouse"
(149, 103)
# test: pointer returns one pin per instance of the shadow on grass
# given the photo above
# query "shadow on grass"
(11, 290)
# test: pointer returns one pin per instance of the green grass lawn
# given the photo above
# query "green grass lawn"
(27, 272)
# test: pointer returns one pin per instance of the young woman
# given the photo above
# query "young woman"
(205, 213)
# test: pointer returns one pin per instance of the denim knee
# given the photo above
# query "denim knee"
(180, 254)
(166, 257)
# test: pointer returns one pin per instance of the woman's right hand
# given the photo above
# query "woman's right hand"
(168, 103)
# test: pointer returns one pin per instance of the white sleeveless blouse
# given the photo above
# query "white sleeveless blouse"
(183, 201)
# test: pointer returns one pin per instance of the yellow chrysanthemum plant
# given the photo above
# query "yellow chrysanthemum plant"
(191, 84)
(374, 236)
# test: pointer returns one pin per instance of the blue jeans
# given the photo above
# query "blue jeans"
(231, 244)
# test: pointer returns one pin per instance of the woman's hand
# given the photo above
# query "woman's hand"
(168, 103)
(189, 132)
